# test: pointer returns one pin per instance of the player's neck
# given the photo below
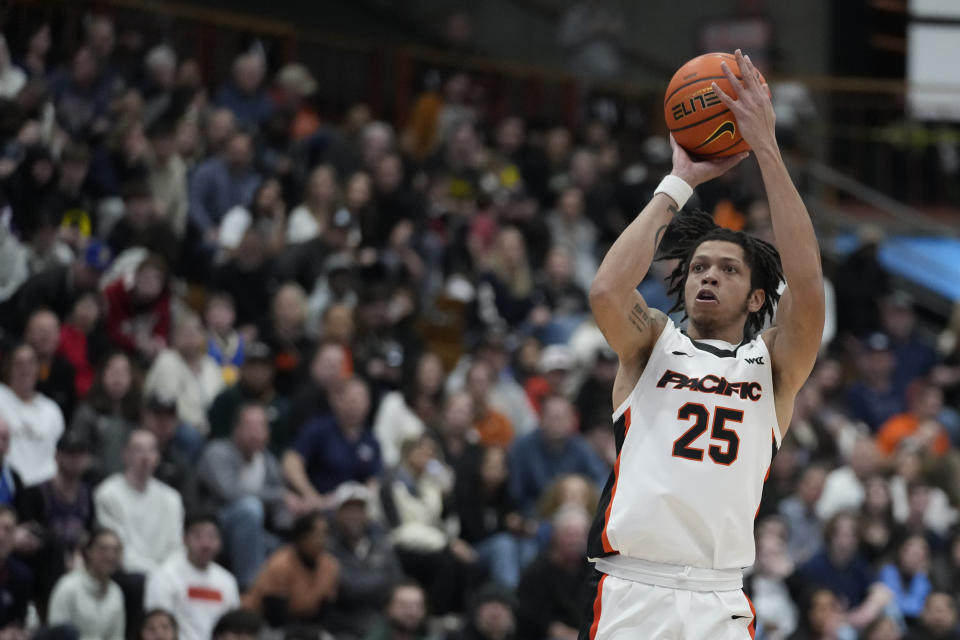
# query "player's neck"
(732, 334)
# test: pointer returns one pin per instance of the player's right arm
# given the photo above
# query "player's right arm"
(629, 325)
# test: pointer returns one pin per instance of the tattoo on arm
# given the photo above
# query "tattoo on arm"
(659, 234)
(639, 317)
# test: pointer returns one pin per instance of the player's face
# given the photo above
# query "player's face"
(717, 292)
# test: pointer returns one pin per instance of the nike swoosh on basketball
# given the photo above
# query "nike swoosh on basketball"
(726, 128)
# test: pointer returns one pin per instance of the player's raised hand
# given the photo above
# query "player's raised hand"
(752, 107)
(697, 172)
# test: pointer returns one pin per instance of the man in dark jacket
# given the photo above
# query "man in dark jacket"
(550, 589)
(368, 565)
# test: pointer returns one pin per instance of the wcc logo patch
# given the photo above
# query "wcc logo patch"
(757, 360)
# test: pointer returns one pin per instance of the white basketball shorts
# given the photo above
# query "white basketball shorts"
(627, 610)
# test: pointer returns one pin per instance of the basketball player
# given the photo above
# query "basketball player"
(699, 413)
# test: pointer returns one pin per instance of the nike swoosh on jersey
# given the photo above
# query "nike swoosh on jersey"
(681, 353)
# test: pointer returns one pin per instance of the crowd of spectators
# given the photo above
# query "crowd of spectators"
(271, 369)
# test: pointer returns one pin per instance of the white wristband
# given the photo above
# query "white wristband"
(675, 187)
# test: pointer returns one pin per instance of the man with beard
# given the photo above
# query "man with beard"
(405, 615)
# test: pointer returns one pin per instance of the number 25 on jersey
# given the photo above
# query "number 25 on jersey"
(724, 453)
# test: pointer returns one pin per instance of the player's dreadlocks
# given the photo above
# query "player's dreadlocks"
(691, 228)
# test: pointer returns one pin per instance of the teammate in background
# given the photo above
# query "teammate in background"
(700, 412)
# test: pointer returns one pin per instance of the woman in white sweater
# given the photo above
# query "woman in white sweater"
(187, 373)
(86, 598)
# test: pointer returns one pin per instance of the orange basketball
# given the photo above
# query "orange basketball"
(699, 122)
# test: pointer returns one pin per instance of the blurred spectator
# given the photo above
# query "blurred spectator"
(822, 617)
(108, 414)
(572, 231)
(561, 296)
(55, 379)
(264, 214)
(190, 585)
(908, 577)
(177, 451)
(311, 218)
(187, 373)
(551, 588)
(493, 427)
(921, 424)
(255, 385)
(146, 514)
(913, 357)
(458, 439)
(299, 582)
(239, 624)
(492, 616)
(844, 488)
(16, 581)
(839, 566)
(766, 584)
(505, 288)
(11, 486)
(35, 420)
(490, 520)
(861, 283)
(288, 337)
(138, 312)
(553, 449)
(945, 573)
(405, 614)
(87, 598)
(159, 624)
(913, 500)
(874, 398)
(554, 368)
(59, 513)
(878, 529)
(79, 96)
(167, 177)
(140, 224)
(328, 370)
(244, 95)
(248, 278)
(800, 515)
(939, 618)
(58, 288)
(506, 395)
(594, 396)
(12, 78)
(221, 182)
(403, 415)
(413, 505)
(368, 564)
(295, 86)
(243, 482)
(333, 449)
(83, 340)
(224, 343)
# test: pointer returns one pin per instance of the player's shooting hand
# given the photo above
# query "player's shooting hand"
(697, 172)
(751, 106)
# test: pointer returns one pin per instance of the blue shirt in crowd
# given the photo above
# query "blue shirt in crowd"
(908, 597)
(534, 465)
(873, 407)
(214, 190)
(330, 459)
(250, 109)
(849, 583)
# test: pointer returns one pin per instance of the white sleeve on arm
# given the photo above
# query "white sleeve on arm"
(60, 604)
(159, 592)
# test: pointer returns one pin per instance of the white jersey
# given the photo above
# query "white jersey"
(695, 439)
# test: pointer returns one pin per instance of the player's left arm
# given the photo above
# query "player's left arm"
(795, 340)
